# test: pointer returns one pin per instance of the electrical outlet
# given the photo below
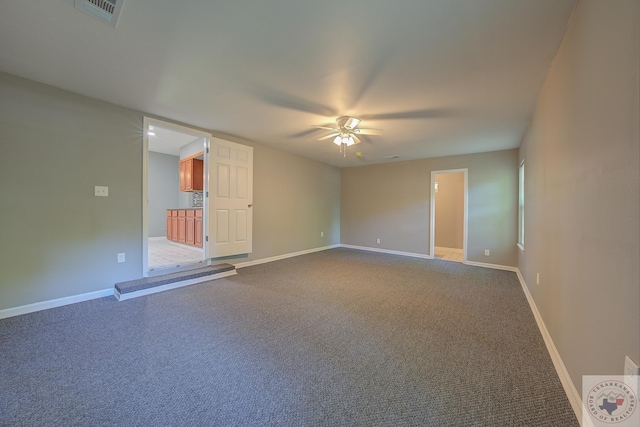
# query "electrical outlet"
(322, 234)
(121, 257)
(487, 252)
(378, 241)
(537, 278)
(101, 191)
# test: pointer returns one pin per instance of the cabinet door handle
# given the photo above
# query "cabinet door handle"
(249, 205)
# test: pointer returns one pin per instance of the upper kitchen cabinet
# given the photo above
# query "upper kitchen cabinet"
(191, 174)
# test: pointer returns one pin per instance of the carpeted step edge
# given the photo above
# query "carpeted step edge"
(152, 282)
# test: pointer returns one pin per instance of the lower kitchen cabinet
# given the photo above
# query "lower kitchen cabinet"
(169, 226)
(182, 231)
(190, 228)
(174, 226)
(185, 226)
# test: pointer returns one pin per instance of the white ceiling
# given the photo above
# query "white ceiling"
(441, 77)
(167, 141)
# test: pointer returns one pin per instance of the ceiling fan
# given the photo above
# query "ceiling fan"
(346, 133)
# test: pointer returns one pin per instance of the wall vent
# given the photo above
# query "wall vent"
(105, 10)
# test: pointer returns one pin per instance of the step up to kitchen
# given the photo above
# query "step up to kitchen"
(151, 285)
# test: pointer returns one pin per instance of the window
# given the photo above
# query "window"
(521, 207)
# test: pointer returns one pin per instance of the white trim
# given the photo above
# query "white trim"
(58, 302)
(521, 207)
(146, 122)
(205, 199)
(432, 210)
(279, 257)
(563, 374)
(169, 286)
(388, 251)
(520, 246)
(493, 266)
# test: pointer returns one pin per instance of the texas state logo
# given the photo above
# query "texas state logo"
(610, 401)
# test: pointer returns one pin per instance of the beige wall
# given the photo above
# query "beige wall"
(392, 202)
(582, 185)
(163, 190)
(57, 239)
(449, 218)
(294, 200)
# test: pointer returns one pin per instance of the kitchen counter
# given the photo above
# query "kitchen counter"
(183, 209)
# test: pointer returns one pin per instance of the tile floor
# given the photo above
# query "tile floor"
(448, 254)
(166, 254)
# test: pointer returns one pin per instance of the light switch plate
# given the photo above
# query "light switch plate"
(121, 257)
(102, 191)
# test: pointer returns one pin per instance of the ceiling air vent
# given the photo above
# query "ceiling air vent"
(105, 10)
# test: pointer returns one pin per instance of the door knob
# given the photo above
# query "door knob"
(249, 205)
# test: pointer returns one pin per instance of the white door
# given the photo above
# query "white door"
(230, 184)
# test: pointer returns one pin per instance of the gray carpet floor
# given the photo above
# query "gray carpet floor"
(335, 338)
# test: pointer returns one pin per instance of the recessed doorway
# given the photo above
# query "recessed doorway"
(448, 237)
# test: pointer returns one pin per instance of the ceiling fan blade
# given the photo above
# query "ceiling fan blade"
(407, 115)
(304, 133)
(325, 127)
(356, 139)
(368, 131)
(291, 102)
(331, 135)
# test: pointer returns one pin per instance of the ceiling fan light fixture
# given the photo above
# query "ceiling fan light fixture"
(345, 134)
(351, 123)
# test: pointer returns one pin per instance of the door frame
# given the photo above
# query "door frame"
(146, 122)
(432, 218)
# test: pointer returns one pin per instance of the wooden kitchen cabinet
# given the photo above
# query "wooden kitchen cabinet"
(174, 225)
(169, 226)
(185, 226)
(190, 227)
(182, 231)
(191, 175)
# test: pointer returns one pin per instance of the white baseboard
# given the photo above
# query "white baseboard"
(493, 266)
(387, 251)
(565, 379)
(279, 257)
(44, 305)
(169, 286)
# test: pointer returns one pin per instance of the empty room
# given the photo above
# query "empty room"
(336, 213)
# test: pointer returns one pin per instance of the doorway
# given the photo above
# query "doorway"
(167, 207)
(448, 224)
